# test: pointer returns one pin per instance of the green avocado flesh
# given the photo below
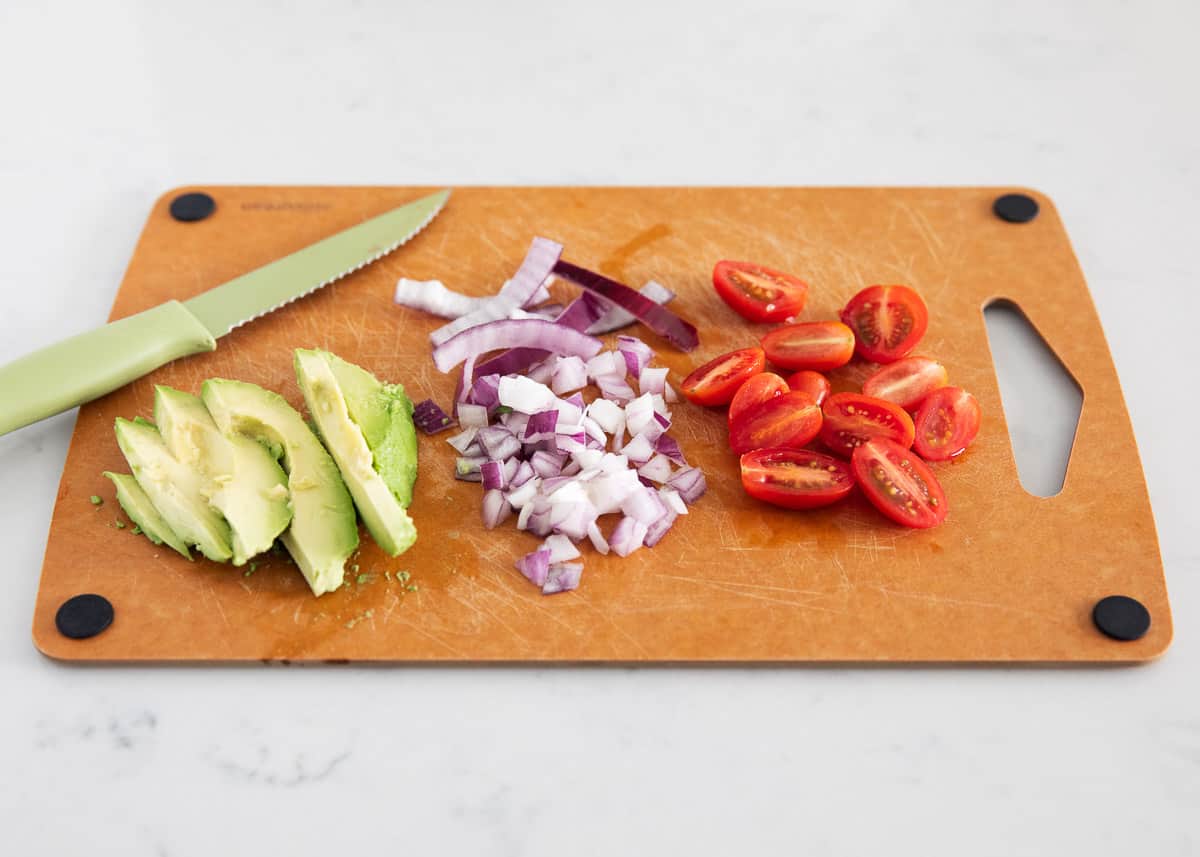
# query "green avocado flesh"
(323, 532)
(174, 489)
(142, 512)
(239, 477)
(348, 415)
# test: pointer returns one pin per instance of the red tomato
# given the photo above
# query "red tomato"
(907, 381)
(946, 423)
(850, 420)
(813, 383)
(763, 386)
(758, 293)
(716, 381)
(888, 321)
(795, 478)
(818, 345)
(898, 483)
(787, 420)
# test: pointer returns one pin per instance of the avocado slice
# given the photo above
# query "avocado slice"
(142, 512)
(385, 415)
(174, 489)
(381, 509)
(323, 532)
(239, 477)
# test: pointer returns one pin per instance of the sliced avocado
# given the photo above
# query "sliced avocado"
(381, 510)
(384, 414)
(323, 532)
(142, 512)
(174, 489)
(240, 478)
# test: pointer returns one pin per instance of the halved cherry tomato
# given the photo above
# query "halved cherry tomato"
(888, 321)
(907, 381)
(818, 345)
(716, 381)
(946, 423)
(813, 383)
(850, 420)
(898, 483)
(795, 478)
(763, 386)
(788, 420)
(758, 293)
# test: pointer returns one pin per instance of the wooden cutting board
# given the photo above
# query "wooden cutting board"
(1008, 577)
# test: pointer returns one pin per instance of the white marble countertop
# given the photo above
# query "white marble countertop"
(1094, 104)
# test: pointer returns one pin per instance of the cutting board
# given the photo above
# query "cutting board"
(1008, 577)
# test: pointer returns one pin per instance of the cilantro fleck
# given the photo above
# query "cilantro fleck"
(97, 500)
(363, 578)
(412, 587)
(249, 571)
(120, 525)
(137, 531)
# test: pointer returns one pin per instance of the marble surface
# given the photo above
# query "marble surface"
(106, 105)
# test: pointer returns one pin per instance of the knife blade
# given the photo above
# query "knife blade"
(91, 364)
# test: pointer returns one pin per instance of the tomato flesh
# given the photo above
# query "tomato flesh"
(716, 382)
(946, 424)
(795, 478)
(898, 483)
(763, 386)
(850, 420)
(813, 383)
(888, 322)
(788, 420)
(816, 345)
(758, 293)
(907, 381)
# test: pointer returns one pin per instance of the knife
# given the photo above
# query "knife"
(91, 364)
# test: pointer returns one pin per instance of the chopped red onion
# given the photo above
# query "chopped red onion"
(562, 577)
(572, 519)
(513, 333)
(523, 474)
(561, 549)
(498, 442)
(515, 423)
(547, 464)
(540, 426)
(669, 394)
(472, 416)
(653, 380)
(570, 373)
(510, 470)
(523, 516)
(486, 391)
(467, 469)
(668, 446)
(593, 431)
(612, 387)
(627, 537)
(660, 406)
(655, 531)
(542, 372)
(539, 522)
(496, 510)
(662, 321)
(615, 318)
(552, 483)
(672, 500)
(523, 493)
(657, 469)
(588, 458)
(608, 415)
(492, 473)
(639, 414)
(644, 506)
(690, 483)
(606, 363)
(608, 492)
(639, 450)
(525, 396)
(637, 355)
(535, 566)
(462, 440)
(598, 541)
(575, 399)
(433, 297)
(431, 419)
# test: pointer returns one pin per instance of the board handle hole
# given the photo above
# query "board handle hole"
(1042, 400)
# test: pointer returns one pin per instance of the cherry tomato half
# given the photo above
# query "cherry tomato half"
(763, 386)
(888, 321)
(898, 483)
(946, 423)
(813, 383)
(716, 381)
(787, 420)
(817, 345)
(907, 381)
(850, 420)
(795, 478)
(758, 293)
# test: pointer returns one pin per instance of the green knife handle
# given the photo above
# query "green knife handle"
(91, 364)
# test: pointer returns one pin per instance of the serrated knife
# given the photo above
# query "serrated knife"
(91, 364)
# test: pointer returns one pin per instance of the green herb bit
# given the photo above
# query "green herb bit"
(249, 571)
(403, 576)
(412, 587)
(363, 578)
(137, 531)
(120, 525)
(97, 500)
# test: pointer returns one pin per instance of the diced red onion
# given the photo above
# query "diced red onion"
(525, 395)
(513, 333)
(492, 473)
(535, 566)
(539, 522)
(598, 541)
(510, 470)
(541, 295)
(570, 373)
(472, 416)
(690, 483)
(588, 458)
(523, 516)
(644, 506)
(467, 469)
(639, 450)
(670, 395)
(570, 443)
(662, 321)
(496, 510)
(569, 413)
(542, 372)
(627, 537)
(540, 425)
(547, 464)
(637, 354)
(523, 474)
(668, 446)
(433, 297)
(639, 414)
(485, 391)
(462, 440)
(608, 492)
(653, 380)
(593, 431)
(562, 577)
(572, 519)
(657, 469)
(672, 500)
(498, 442)
(655, 531)
(552, 483)
(660, 406)
(606, 363)
(608, 415)
(575, 399)
(430, 418)
(612, 387)
(515, 423)
(615, 318)
(561, 548)
(524, 492)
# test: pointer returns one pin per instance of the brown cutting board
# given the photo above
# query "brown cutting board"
(1008, 577)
